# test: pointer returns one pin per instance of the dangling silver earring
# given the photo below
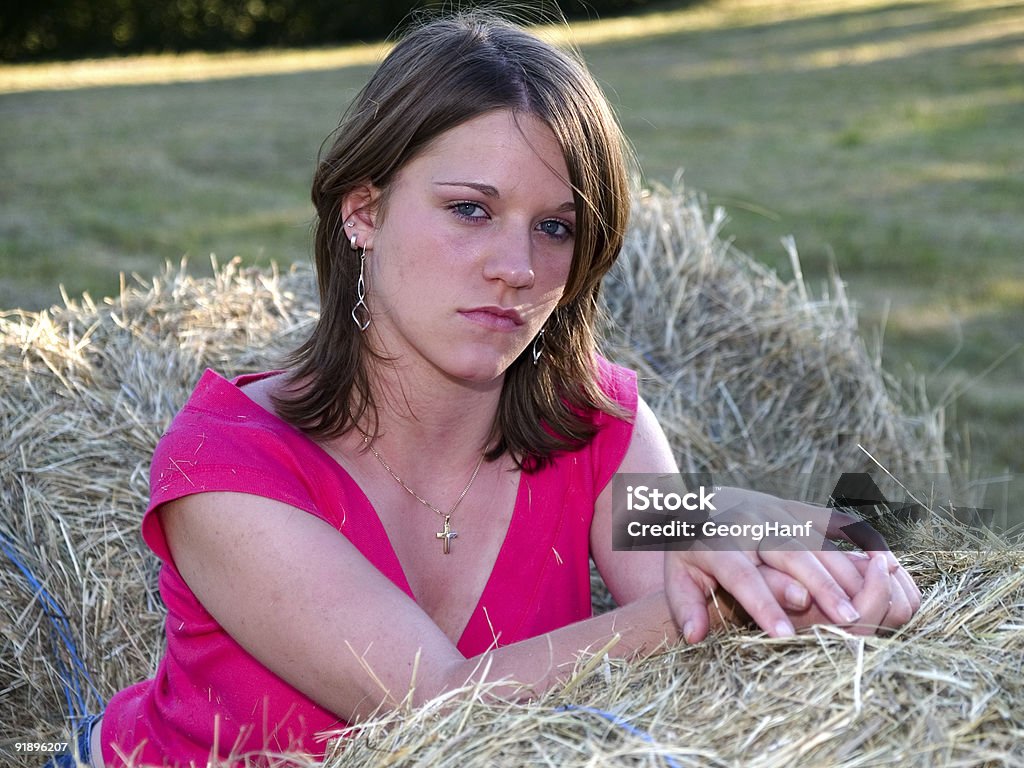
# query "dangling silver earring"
(538, 346)
(360, 312)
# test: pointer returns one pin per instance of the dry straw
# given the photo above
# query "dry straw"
(749, 374)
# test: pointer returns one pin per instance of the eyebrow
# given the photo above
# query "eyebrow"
(489, 191)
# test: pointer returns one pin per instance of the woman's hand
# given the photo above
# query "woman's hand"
(781, 583)
(785, 583)
(882, 603)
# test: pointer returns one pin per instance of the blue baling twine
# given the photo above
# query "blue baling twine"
(74, 675)
(621, 722)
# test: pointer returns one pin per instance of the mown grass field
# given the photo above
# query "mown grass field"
(885, 137)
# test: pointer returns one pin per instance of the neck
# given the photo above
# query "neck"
(423, 419)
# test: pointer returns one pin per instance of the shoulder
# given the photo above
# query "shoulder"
(223, 439)
(216, 402)
(614, 434)
(217, 422)
(619, 384)
(649, 449)
(236, 417)
(228, 397)
(262, 388)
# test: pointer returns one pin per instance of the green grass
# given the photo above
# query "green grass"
(886, 137)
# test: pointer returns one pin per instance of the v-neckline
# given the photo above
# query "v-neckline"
(378, 525)
(396, 562)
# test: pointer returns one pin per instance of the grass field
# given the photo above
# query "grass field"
(885, 137)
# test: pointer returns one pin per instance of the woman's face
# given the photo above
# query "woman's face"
(473, 252)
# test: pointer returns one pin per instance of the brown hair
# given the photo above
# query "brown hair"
(443, 73)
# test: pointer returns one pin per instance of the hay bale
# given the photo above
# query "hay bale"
(86, 391)
(945, 691)
(750, 375)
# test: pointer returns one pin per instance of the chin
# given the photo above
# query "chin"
(479, 370)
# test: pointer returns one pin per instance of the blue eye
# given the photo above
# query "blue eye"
(556, 229)
(468, 210)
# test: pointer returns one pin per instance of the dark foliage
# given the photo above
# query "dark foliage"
(67, 29)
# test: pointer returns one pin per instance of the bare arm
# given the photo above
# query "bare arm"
(261, 569)
(631, 575)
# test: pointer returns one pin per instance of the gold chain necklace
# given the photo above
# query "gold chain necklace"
(446, 534)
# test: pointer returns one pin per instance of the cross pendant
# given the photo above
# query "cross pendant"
(446, 535)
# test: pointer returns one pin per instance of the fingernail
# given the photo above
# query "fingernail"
(847, 612)
(688, 630)
(797, 596)
(784, 629)
(882, 564)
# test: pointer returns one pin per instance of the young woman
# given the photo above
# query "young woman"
(415, 499)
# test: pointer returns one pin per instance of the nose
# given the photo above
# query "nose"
(511, 260)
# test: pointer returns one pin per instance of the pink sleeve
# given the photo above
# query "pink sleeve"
(219, 442)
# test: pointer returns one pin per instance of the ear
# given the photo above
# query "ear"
(360, 207)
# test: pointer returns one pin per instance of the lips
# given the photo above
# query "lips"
(495, 317)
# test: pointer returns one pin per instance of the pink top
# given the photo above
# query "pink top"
(209, 696)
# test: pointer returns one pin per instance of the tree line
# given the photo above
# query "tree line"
(70, 29)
